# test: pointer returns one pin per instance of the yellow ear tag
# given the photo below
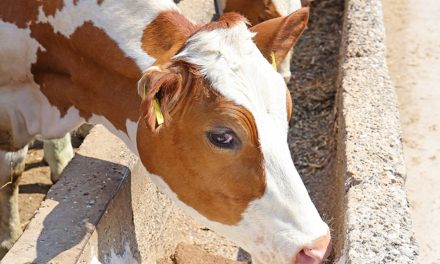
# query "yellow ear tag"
(157, 111)
(274, 62)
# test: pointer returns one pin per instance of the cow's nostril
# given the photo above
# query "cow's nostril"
(308, 256)
(315, 253)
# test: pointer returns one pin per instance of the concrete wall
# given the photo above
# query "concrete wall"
(377, 226)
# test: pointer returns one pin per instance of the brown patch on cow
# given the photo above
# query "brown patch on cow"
(255, 11)
(50, 7)
(87, 71)
(218, 183)
(24, 12)
(279, 35)
(19, 12)
(289, 105)
(166, 35)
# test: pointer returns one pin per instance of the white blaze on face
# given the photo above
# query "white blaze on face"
(285, 7)
(280, 223)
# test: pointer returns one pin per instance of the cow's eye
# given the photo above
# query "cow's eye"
(223, 138)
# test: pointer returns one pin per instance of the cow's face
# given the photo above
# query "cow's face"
(222, 150)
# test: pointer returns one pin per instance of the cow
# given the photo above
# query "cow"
(257, 11)
(201, 105)
(59, 152)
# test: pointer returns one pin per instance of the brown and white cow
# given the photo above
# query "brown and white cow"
(257, 11)
(200, 104)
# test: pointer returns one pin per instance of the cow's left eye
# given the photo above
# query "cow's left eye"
(223, 138)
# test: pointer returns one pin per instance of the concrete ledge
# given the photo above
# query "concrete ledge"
(370, 158)
(66, 220)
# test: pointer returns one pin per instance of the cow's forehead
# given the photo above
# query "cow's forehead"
(232, 63)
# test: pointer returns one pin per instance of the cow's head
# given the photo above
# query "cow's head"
(221, 152)
(257, 11)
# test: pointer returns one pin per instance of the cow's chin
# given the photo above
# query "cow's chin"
(260, 232)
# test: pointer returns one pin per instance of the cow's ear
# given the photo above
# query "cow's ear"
(279, 35)
(166, 35)
(159, 89)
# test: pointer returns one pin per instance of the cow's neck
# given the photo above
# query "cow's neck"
(91, 73)
(87, 71)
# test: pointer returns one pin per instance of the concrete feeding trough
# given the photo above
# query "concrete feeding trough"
(345, 140)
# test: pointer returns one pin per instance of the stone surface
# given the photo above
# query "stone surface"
(370, 160)
(190, 254)
(67, 218)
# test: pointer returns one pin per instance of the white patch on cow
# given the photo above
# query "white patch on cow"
(284, 220)
(125, 137)
(8, 160)
(285, 7)
(132, 127)
(28, 113)
(23, 108)
(17, 53)
(123, 21)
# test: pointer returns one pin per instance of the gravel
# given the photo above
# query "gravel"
(313, 126)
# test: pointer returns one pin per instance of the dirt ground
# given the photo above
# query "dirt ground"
(413, 40)
(35, 181)
(312, 128)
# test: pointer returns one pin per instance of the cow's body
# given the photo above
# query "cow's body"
(66, 62)
(25, 112)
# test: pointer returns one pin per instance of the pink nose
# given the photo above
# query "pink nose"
(314, 253)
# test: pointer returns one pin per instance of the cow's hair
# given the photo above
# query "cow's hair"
(177, 82)
(227, 20)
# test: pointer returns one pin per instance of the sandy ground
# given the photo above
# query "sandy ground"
(413, 39)
(34, 184)
(35, 181)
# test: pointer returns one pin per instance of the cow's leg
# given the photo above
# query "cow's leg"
(11, 168)
(58, 153)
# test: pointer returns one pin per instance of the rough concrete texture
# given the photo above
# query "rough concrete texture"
(189, 254)
(63, 224)
(377, 225)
